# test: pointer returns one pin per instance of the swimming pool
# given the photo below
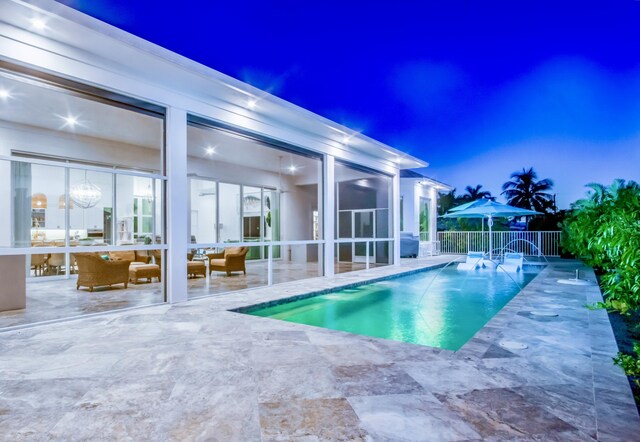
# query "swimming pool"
(446, 315)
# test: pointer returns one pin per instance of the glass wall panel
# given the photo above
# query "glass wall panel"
(134, 222)
(38, 220)
(363, 201)
(252, 220)
(90, 202)
(271, 213)
(204, 212)
(159, 211)
(265, 194)
(230, 228)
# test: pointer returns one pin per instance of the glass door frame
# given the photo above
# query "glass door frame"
(372, 250)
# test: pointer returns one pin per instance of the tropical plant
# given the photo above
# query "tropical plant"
(604, 230)
(630, 363)
(446, 202)
(525, 191)
(474, 193)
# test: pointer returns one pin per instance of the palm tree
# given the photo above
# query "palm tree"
(474, 193)
(600, 194)
(523, 190)
(447, 201)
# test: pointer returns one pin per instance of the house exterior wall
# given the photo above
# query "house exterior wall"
(76, 47)
(411, 191)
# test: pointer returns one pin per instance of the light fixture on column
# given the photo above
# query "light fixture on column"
(85, 194)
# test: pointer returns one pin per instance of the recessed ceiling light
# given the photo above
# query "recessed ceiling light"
(292, 168)
(4, 94)
(210, 150)
(38, 23)
(70, 120)
(345, 139)
(251, 104)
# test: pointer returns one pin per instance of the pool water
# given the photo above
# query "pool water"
(438, 308)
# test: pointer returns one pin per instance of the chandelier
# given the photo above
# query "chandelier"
(85, 194)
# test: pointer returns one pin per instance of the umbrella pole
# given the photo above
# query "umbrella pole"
(490, 222)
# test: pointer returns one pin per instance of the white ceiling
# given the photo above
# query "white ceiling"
(38, 105)
(46, 107)
(236, 149)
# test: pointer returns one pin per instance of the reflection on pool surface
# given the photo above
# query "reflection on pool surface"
(454, 307)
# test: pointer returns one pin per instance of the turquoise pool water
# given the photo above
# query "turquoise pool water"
(455, 306)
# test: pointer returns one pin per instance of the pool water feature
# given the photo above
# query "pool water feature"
(455, 305)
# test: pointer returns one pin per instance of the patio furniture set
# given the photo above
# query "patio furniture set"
(95, 269)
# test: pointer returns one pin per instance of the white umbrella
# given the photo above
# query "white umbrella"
(486, 208)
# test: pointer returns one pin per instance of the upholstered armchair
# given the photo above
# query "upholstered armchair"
(93, 271)
(232, 259)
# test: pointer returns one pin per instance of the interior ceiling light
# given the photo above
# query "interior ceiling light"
(292, 168)
(38, 201)
(70, 120)
(210, 150)
(62, 202)
(345, 139)
(4, 94)
(38, 23)
(251, 104)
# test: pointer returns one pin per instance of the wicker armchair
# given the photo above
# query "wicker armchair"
(93, 271)
(133, 256)
(232, 259)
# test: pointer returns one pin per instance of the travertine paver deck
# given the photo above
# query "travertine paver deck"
(196, 371)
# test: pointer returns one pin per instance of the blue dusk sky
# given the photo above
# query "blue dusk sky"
(477, 89)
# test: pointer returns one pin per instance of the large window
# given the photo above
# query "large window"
(82, 169)
(246, 192)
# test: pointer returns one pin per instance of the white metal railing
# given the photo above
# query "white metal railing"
(268, 244)
(369, 243)
(545, 243)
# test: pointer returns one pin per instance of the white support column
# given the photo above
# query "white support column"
(396, 217)
(6, 221)
(176, 201)
(433, 214)
(320, 195)
(329, 213)
(269, 265)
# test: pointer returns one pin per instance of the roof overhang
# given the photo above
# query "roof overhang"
(73, 36)
(424, 180)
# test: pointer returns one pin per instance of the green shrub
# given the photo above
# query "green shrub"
(604, 231)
